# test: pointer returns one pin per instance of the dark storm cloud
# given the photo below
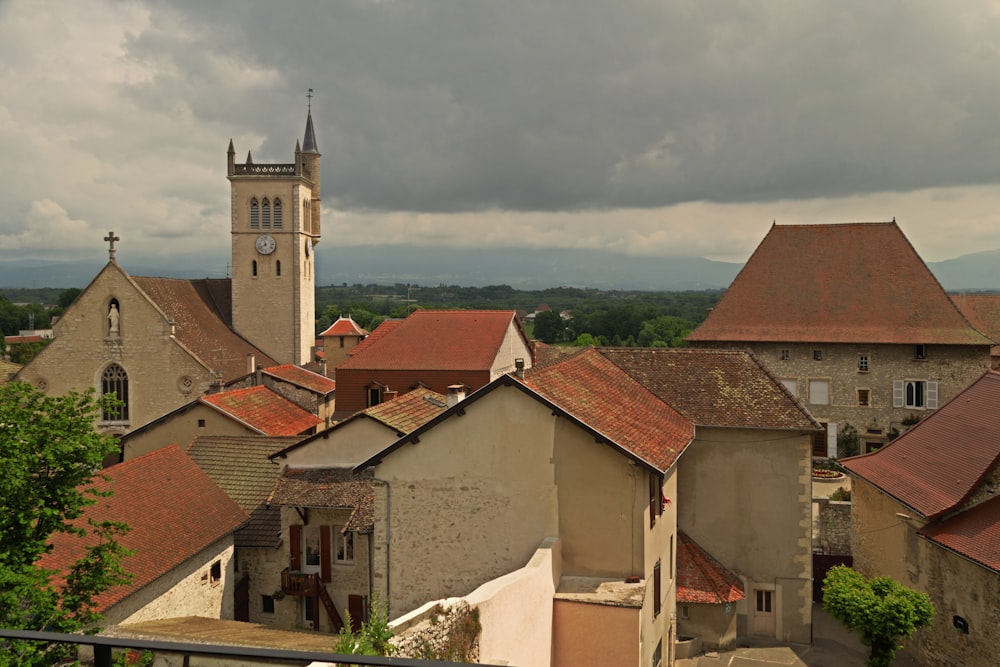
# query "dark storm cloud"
(451, 106)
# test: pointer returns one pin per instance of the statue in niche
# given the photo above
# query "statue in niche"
(113, 318)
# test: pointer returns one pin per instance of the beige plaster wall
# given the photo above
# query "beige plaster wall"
(162, 375)
(181, 429)
(711, 622)
(592, 635)
(348, 444)
(184, 591)
(474, 498)
(512, 348)
(745, 496)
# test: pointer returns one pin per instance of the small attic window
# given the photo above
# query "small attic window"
(786, 355)
(817, 355)
(215, 574)
(920, 352)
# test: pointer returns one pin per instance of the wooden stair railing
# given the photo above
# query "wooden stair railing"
(327, 601)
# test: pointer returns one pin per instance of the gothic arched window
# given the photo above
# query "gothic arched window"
(114, 380)
(277, 213)
(267, 214)
(254, 214)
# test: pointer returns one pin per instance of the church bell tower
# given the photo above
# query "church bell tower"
(275, 229)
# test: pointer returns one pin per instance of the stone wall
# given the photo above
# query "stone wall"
(448, 630)
(834, 527)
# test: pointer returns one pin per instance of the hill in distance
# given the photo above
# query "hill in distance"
(521, 268)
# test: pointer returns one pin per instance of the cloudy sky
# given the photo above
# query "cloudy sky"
(659, 128)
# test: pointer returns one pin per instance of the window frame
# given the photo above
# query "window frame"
(817, 354)
(344, 537)
(867, 403)
(785, 354)
(864, 363)
(118, 385)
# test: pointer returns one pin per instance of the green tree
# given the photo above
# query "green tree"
(665, 331)
(549, 326)
(373, 636)
(882, 610)
(50, 453)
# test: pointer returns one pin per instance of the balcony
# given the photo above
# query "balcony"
(302, 584)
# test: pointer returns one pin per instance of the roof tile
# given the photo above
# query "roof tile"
(264, 410)
(975, 533)
(314, 382)
(331, 488)
(173, 509)
(701, 579)
(921, 469)
(844, 283)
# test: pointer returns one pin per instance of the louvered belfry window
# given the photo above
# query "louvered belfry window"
(277, 213)
(266, 222)
(254, 214)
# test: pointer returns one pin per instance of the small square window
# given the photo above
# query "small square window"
(216, 571)
(684, 612)
(862, 363)
(864, 397)
(267, 604)
(919, 351)
(786, 355)
(201, 423)
(817, 355)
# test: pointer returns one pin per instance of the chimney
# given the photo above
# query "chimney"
(519, 368)
(258, 375)
(216, 385)
(456, 393)
(251, 363)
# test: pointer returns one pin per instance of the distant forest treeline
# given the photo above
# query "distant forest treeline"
(594, 316)
(603, 317)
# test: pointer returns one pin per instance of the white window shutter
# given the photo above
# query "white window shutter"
(831, 440)
(932, 395)
(897, 394)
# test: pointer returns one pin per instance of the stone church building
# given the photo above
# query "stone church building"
(158, 343)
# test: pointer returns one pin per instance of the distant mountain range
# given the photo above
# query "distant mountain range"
(521, 268)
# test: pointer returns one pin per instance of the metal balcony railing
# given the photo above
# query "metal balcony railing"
(103, 647)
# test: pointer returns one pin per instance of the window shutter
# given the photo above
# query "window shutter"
(897, 393)
(324, 553)
(295, 547)
(932, 395)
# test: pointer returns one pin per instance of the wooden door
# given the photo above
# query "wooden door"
(763, 617)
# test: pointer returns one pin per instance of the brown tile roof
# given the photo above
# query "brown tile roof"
(596, 392)
(714, 387)
(983, 312)
(263, 410)
(975, 533)
(546, 355)
(436, 339)
(7, 370)
(410, 410)
(858, 282)
(938, 463)
(701, 579)
(173, 509)
(344, 326)
(201, 313)
(314, 382)
(330, 488)
(240, 466)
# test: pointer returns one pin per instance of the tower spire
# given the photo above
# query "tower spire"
(309, 142)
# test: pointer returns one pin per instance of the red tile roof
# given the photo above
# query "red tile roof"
(18, 340)
(387, 327)
(173, 509)
(410, 410)
(974, 533)
(936, 465)
(201, 312)
(701, 579)
(263, 410)
(314, 382)
(596, 392)
(345, 326)
(714, 387)
(436, 339)
(858, 282)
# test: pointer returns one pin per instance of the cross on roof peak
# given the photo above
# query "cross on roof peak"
(111, 238)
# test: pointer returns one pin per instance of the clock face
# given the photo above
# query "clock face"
(265, 244)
